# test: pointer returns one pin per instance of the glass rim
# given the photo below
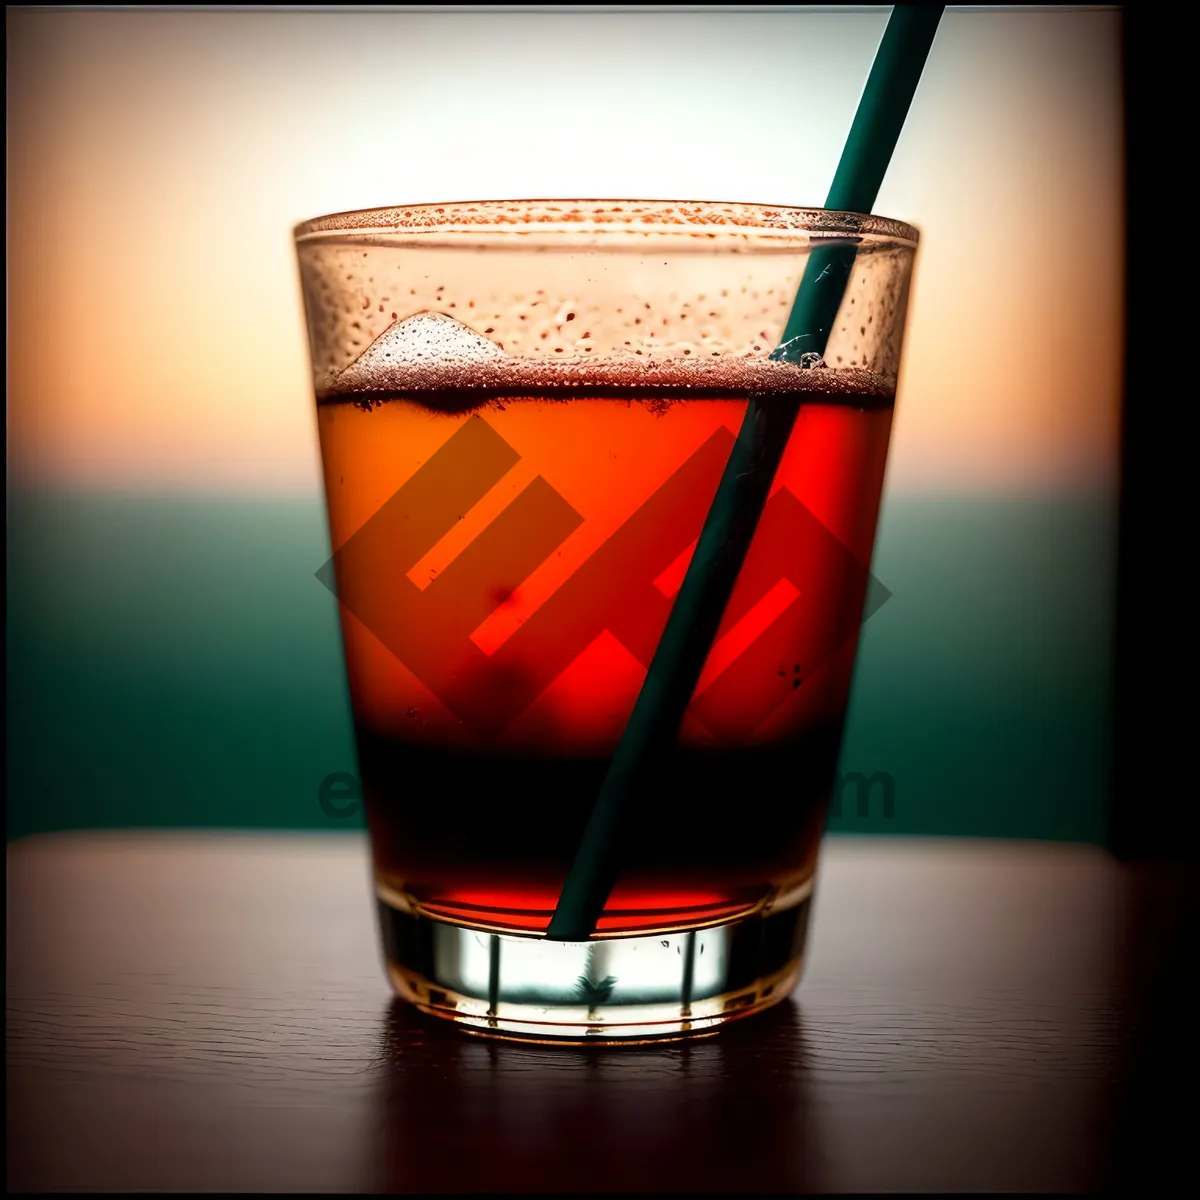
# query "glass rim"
(708, 219)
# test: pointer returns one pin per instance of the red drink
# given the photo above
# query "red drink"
(495, 648)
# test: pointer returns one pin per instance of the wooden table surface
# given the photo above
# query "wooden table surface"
(208, 1012)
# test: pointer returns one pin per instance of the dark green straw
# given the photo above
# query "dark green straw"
(729, 527)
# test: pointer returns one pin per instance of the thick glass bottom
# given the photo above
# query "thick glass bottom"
(620, 989)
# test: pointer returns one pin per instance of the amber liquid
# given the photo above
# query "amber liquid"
(505, 574)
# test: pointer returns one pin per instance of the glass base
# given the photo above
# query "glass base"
(621, 989)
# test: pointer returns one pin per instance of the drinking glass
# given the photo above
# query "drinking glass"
(524, 409)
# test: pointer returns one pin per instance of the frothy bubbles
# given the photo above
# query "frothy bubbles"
(453, 367)
(422, 340)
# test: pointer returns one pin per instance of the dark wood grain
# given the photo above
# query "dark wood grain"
(208, 1012)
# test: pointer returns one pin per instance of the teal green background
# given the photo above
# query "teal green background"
(172, 661)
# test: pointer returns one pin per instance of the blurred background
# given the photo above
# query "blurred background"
(173, 661)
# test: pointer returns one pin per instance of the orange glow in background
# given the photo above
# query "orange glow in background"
(157, 161)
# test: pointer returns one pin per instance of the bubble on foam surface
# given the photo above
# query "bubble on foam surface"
(426, 339)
